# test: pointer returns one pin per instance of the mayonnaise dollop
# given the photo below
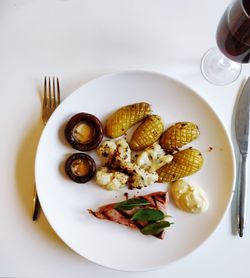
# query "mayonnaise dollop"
(188, 197)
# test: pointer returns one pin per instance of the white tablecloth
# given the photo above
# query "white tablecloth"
(79, 40)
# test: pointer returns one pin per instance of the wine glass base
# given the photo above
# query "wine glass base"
(218, 69)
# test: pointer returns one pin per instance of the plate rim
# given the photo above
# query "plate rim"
(231, 149)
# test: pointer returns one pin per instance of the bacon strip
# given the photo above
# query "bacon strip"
(157, 200)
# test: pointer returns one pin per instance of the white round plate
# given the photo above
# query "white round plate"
(65, 203)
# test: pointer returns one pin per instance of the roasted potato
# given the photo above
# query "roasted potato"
(178, 135)
(148, 132)
(184, 163)
(125, 117)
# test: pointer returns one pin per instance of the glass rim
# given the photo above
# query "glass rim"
(244, 10)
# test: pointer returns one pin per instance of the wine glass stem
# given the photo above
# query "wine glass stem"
(224, 61)
(218, 69)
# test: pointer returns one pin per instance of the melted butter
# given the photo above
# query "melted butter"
(83, 132)
(80, 167)
(188, 197)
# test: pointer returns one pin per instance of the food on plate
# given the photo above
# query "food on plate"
(120, 169)
(152, 158)
(139, 178)
(189, 198)
(111, 179)
(80, 167)
(115, 151)
(145, 160)
(107, 149)
(142, 212)
(178, 135)
(84, 132)
(147, 133)
(184, 163)
(125, 117)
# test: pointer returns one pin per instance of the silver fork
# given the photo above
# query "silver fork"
(51, 99)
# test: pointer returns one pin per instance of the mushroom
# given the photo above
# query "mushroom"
(80, 167)
(84, 132)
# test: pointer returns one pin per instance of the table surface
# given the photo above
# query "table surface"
(79, 40)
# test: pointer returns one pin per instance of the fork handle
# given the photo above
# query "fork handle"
(35, 205)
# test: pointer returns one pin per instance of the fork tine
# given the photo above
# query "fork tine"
(45, 93)
(49, 97)
(53, 99)
(58, 92)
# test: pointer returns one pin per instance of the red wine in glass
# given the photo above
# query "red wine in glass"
(233, 33)
(222, 65)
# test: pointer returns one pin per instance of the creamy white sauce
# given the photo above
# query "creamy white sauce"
(190, 198)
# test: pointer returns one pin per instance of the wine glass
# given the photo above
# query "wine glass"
(223, 66)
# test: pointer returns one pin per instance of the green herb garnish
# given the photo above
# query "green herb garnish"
(148, 215)
(131, 203)
(155, 228)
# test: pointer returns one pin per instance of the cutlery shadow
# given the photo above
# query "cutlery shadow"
(25, 181)
(236, 151)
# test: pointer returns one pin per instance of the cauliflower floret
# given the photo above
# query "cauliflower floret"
(111, 180)
(140, 177)
(120, 170)
(115, 150)
(153, 158)
(106, 149)
(143, 160)
(123, 149)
